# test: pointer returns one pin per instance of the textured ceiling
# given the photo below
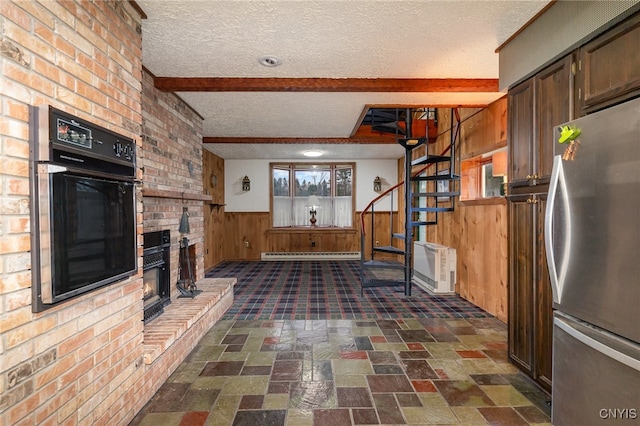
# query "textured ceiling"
(275, 151)
(323, 39)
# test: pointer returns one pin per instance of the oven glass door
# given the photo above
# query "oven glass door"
(93, 231)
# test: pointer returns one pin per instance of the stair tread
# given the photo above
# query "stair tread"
(411, 143)
(432, 209)
(422, 223)
(436, 194)
(389, 249)
(392, 264)
(382, 283)
(430, 159)
(391, 274)
(436, 178)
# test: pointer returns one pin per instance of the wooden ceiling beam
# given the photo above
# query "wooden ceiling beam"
(292, 141)
(223, 84)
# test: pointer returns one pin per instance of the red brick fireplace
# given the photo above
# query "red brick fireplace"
(92, 359)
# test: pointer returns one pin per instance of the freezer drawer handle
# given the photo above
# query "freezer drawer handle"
(594, 344)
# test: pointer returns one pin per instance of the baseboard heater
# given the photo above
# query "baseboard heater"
(311, 255)
(434, 267)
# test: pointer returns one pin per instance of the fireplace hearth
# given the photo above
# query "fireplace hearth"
(156, 284)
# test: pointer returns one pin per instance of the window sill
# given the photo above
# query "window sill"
(307, 229)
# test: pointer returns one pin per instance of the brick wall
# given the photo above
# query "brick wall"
(82, 361)
(172, 164)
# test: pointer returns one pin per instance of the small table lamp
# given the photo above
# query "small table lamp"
(313, 203)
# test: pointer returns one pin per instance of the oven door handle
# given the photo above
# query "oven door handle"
(51, 168)
(43, 261)
(43, 210)
(48, 168)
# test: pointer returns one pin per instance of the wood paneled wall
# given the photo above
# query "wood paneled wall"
(244, 235)
(212, 165)
(247, 235)
(477, 229)
(478, 232)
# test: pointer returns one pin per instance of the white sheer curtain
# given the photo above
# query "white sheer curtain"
(324, 212)
(342, 209)
(301, 214)
(281, 211)
(289, 211)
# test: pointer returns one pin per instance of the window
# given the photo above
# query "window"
(484, 176)
(301, 192)
(491, 185)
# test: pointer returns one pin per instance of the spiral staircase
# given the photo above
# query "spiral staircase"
(429, 189)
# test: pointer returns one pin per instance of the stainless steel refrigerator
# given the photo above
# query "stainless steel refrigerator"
(592, 239)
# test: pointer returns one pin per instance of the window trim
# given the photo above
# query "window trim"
(306, 165)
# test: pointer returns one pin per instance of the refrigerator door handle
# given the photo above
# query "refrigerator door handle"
(557, 267)
(596, 345)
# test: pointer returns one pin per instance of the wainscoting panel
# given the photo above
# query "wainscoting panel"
(246, 235)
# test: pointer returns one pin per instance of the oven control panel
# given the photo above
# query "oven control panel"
(124, 151)
(77, 141)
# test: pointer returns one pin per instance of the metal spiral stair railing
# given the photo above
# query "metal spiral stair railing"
(426, 195)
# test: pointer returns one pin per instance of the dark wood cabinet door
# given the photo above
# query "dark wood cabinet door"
(520, 133)
(610, 67)
(521, 289)
(530, 296)
(553, 105)
(543, 312)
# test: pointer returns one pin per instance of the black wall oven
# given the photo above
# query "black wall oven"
(83, 206)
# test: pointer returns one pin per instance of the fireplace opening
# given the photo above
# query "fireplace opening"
(155, 278)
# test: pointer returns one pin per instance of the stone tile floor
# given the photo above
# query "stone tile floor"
(349, 372)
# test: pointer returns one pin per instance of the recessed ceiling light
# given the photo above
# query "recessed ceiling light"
(312, 153)
(270, 61)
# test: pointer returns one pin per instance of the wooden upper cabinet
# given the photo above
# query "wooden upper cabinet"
(553, 87)
(520, 133)
(609, 67)
(536, 106)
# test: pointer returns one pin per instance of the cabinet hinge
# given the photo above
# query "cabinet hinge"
(579, 64)
(574, 68)
(579, 92)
